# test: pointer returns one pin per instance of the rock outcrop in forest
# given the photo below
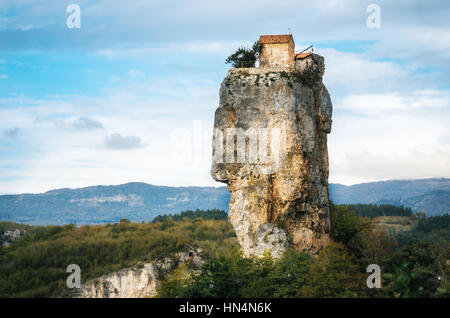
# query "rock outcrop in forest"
(141, 281)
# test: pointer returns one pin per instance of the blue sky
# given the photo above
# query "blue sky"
(130, 96)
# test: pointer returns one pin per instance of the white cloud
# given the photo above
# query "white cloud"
(371, 104)
(12, 133)
(118, 142)
(86, 123)
(194, 47)
(397, 142)
(351, 73)
(373, 166)
(416, 41)
(136, 74)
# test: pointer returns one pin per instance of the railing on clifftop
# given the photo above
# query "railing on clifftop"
(244, 63)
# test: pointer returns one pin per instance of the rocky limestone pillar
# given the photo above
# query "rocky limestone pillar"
(270, 148)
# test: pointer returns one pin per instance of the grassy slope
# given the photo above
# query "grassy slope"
(35, 265)
(395, 224)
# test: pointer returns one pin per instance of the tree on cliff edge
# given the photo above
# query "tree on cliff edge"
(245, 57)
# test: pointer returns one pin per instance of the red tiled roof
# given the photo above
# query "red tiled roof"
(302, 55)
(281, 38)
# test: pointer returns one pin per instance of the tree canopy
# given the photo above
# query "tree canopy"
(244, 56)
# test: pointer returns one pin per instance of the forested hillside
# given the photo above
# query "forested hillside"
(431, 196)
(373, 210)
(35, 265)
(413, 262)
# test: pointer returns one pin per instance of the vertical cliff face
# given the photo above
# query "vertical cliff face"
(270, 148)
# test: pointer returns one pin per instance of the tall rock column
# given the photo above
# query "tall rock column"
(270, 148)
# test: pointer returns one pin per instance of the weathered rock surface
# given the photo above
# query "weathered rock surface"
(10, 236)
(127, 283)
(270, 148)
(140, 281)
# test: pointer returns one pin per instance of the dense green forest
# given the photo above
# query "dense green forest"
(374, 210)
(414, 262)
(213, 214)
(414, 268)
(434, 230)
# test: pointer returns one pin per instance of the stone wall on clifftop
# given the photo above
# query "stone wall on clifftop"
(270, 148)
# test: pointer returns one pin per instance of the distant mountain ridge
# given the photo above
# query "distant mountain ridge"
(431, 196)
(142, 202)
(375, 191)
(102, 204)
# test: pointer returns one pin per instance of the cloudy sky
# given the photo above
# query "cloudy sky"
(130, 96)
